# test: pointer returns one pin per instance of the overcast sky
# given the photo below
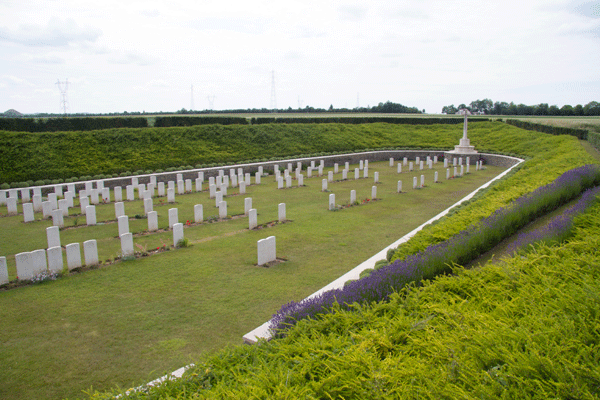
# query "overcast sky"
(145, 55)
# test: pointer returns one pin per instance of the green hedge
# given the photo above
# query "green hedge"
(594, 139)
(69, 124)
(362, 120)
(191, 121)
(553, 130)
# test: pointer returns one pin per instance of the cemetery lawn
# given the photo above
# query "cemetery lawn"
(126, 323)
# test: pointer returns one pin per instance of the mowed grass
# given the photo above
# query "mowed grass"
(126, 323)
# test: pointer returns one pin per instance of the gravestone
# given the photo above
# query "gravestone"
(152, 221)
(252, 218)
(212, 191)
(312, 164)
(399, 189)
(330, 176)
(266, 250)
(257, 177)
(153, 180)
(13, 193)
(361, 164)
(69, 196)
(148, 206)
(320, 170)
(352, 196)
(90, 252)
(356, 173)
(421, 165)
(58, 190)
(119, 209)
(25, 195)
(47, 209)
(468, 165)
(39, 261)
(242, 187)
(453, 161)
(405, 161)
(179, 177)
(36, 190)
(180, 187)
(171, 195)
(188, 186)
(376, 177)
(365, 172)
(90, 215)
(171, 185)
(280, 182)
(462, 170)
(391, 161)
(435, 177)
(28, 215)
(201, 176)
(211, 180)
(100, 185)
(410, 166)
(335, 168)
(223, 209)
(106, 195)
(198, 213)
(399, 168)
(373, 192)
(247, 177)
(455, 171)
(2, 197)
(84, 202)
(3, 271)
(221, 173)
(344, 174)
(177, 233)
(415, 183)
(24, 265)
(260, 170)
(324, 185)
(173, 217)
(161, 189)
(247, 205)
(73, 256)
(52, 198)
(89, 185)
(94, 197)
(198, 183)
(55, 259)
(123, 224)
(58, 218)
(445, 163)
(447, 173)
(226, 181)
(417, 160)
(130, 192)
(347, 165)
(218, 198)
(460, 162)
(435, 159)
(288, 181)
(127, 245)
(63, 205)
(422, 180)
(332, 201)
(281, 212)
(300, 180)
(150, 191)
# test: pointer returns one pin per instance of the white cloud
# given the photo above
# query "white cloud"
(56, 33)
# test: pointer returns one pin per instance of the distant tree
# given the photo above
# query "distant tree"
(484, 106)
(330, 108)
(553, 110)
(449, 109)
(567, 110)
(540, 109)
(578, 110)
(591, 108)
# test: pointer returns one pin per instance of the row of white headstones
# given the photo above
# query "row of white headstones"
(30, 264)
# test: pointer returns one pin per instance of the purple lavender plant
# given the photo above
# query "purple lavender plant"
(435, 259)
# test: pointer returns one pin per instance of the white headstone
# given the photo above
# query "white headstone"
(55, 259)
(119, 209)
(391, 161)
(153, 180)
(36, 190)
(373, 192)
(188, 186)
(223, 209)
(130, 192)
(201, 176)
(344, 174)
(73, 256)
(257, 178)
(252, 218)
(447, 173)
(179, 177)
(211, 180)
(422, 180)
(336, 168)
(399, 189)
(445, 163)
(376, 177)
(309, 172)
(106, 195)
(218, 198)
(127, 245)
(468, 165)
(332, 201)
(410, 166)
(247, 205)
(90, 215)
(84, 202)
(417, 160)
(14, 193)
(405, 161)
(148, 206)
(330, 176)
(89, 185)
(25, 194)
(152, 221)
(320, 170)
(123, 224)
(352, 196)
(281, 212)
(177, 233)
(435, 177)
(266, 249)
(3, 271)
(46, 209)
(361, 164)
(37, 203)
(280, 182)
(198, 183)
(28, 212)
(94, 198)
(173, 217)
(242, 187)
(161, 189)
(63, 205)
(24, 265)
(53, 236)
(365, 172)
(58, 190)
(2, 197)
(455, 171)
(180, 187)
(288, 181)
(462, 169)
(460, 161)
(300, 180)
(224, 189)
(90, 252)
(58, 218)
(69, 196)
(39, 262)
(11, 205)
(100, 185)
(171, 195)
(415, 182)
(435, 159)
(324, 185)
(421, 165)
(399, 168)
(198, 213)
(356, 173)
(312, 164)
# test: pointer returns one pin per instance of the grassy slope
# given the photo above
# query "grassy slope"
(525, 329)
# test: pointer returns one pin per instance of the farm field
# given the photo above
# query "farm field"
(129, 322)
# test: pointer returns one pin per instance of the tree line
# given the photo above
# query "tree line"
(486, 106)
